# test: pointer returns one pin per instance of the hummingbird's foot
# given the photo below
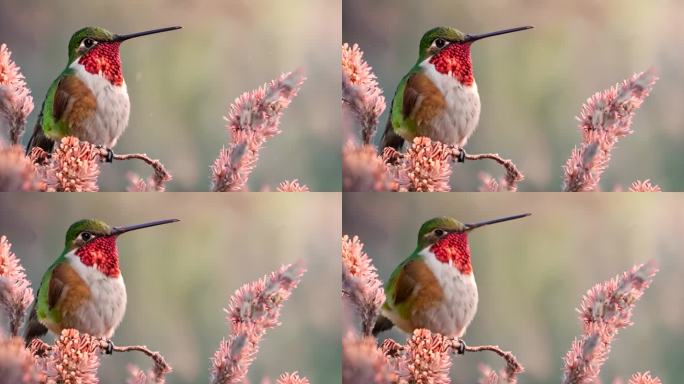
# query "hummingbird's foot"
(109, 349)
(461, 347)
(110, 154)
(461, 155)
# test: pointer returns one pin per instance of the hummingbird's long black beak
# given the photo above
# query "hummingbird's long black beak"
(472, 38)
(120, 38)
(119, 230)
(483, 223)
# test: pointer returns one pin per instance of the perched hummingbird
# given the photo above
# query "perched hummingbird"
(89, 99)
(435, 287)
(83, 289)
(438, 98)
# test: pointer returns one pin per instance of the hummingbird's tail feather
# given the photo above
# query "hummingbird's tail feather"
(38, 139)
(382, 324)
(390, 138)
(34, 328)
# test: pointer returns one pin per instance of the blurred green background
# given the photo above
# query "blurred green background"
(179, 277)
(531, 273)
(182, 83)
(533, 83)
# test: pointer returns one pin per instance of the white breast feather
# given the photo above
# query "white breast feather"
(453, 315)
(113, 108)
(107, 305)
(462, 114)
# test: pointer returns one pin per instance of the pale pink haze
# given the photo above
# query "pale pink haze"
(16, 294)
(253, 118)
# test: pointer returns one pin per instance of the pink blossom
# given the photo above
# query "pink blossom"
(74, 167)
(138, 376)
(252, 310)
(292, 378)
(606, 117)
(427, 358)
(16, 294)
(644, 378)
(363, 169)
(360, 90)
(74, 359)
(604, 310)
(292, 186)
(426, 167)
(644, 186)
(253, 118)
(364, 362)
(360, 283)
(17, 172)
(16, 102)
(17, 364)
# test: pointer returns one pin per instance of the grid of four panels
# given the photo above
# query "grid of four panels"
(197, 97)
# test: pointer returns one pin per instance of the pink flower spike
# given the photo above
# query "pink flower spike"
(644, 378)
(292, 378)
(16, 294)
(360, 90)
(74, 358)
(292, 186)
(426, 167)
(644, 186)
(253, 118)
(16, 102)
(74, 167)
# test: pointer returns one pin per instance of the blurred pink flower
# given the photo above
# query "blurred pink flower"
(644, 186)
(604, 310)
(138, 376)
(363, 169)
(360, 90)
(363, 361)
(17, 172)
(644, 378)
(253, 118)
(252, 310)
(16, 102)
(17, 364)
(426, 167)
(426, 359)
(606, 117)
(360, 283)
(74, 167)
(490, 376)
(74, 359)
(292, 186)
(138, 184)
(16, 294)
(292, 378)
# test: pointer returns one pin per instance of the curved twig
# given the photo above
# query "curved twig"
(161, 367)
(513, 175)
(161, 175)
(513, 367)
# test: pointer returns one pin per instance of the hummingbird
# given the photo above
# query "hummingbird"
(435, 287)
(89, 99)
(438, 98)
(83, 289)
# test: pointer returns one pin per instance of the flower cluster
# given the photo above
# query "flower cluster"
(426, 167)
(606, 117)
(73, 167)
(292, 186)
(254, 117)
(252, 310)
(74, 359)
(426, 358)
(360, 90)
(16, 102)
(604, 310)
(16, 294)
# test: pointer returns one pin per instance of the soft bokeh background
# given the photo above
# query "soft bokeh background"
(179, 276)
(182, 82)
(531, 273)
(533, 83)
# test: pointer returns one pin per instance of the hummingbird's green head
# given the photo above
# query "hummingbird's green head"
(434, 230)
(86, 39)
(436, 39)
(83, 231)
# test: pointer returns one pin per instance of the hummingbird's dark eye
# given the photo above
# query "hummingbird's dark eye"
(86, 236)
(439, 233)
(88, 42)
(440, 43)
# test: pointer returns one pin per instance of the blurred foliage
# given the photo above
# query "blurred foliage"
(533, 83)
(531, 273)
(182, 82)
(179, 276)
